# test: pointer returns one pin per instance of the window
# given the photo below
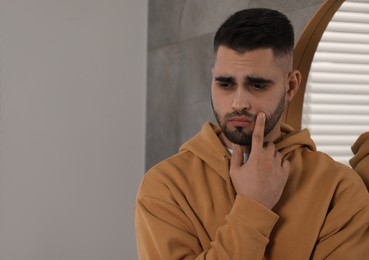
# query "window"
(336, 106)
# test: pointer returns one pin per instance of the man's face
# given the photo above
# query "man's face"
(244, 85)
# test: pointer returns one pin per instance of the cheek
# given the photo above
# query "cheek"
(265, 105)
(216, 106)
(270, 106)
(219, 100)
(275, 104)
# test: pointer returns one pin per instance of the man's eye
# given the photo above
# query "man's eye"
(225, 85)
(259, 86)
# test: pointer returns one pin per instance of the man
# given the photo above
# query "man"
(252, 187)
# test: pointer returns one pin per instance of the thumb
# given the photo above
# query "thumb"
(237, 157)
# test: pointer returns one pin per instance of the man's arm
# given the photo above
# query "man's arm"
(165, 232)
(345, 232)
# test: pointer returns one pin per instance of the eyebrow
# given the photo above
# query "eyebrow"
(225, 79)
(257, 80)
(247, 80)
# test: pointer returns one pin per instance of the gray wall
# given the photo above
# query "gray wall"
(179, 63)
(72, 127)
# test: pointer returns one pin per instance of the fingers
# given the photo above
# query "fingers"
(286, 166)
(258, 133)
(237, 157)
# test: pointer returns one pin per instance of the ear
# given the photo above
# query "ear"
(294, 80)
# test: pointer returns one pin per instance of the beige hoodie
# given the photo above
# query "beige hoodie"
(360, 161)
(187, 207)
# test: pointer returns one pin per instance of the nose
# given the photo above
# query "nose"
(241, 100)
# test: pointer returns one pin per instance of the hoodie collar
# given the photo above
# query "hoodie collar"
(207, 145)
(292, 139)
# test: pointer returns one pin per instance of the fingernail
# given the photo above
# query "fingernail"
(262, 115)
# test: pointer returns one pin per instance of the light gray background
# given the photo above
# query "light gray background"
(179, 63)
(72, 113)
(72, 120)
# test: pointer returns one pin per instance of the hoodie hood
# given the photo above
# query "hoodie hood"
(360, 161)
(207, 145)
(292, 139)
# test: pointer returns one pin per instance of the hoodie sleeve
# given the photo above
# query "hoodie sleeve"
(345, 232)
(360, 160)
(163, 231)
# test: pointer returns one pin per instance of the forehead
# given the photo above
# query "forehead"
(229, 61)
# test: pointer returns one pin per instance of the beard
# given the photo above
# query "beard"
(239, 135)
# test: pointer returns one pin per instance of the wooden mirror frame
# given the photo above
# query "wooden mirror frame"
(303, 56)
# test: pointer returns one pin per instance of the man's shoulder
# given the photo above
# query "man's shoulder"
(172, 176)
(172, 166)
(320, 160)
(322, 166)
(175, 162)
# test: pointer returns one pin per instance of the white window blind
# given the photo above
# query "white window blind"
(336, 107)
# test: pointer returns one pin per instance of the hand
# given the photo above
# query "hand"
(264, 176)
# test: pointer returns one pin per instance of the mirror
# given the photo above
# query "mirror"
(303, 56)
(334, 100)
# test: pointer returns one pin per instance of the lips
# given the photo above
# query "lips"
(240, 121)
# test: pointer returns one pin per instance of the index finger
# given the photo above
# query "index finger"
(258, 133)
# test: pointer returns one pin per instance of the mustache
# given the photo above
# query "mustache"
(241, 113)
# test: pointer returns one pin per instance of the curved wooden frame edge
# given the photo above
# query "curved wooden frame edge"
(303, 56)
